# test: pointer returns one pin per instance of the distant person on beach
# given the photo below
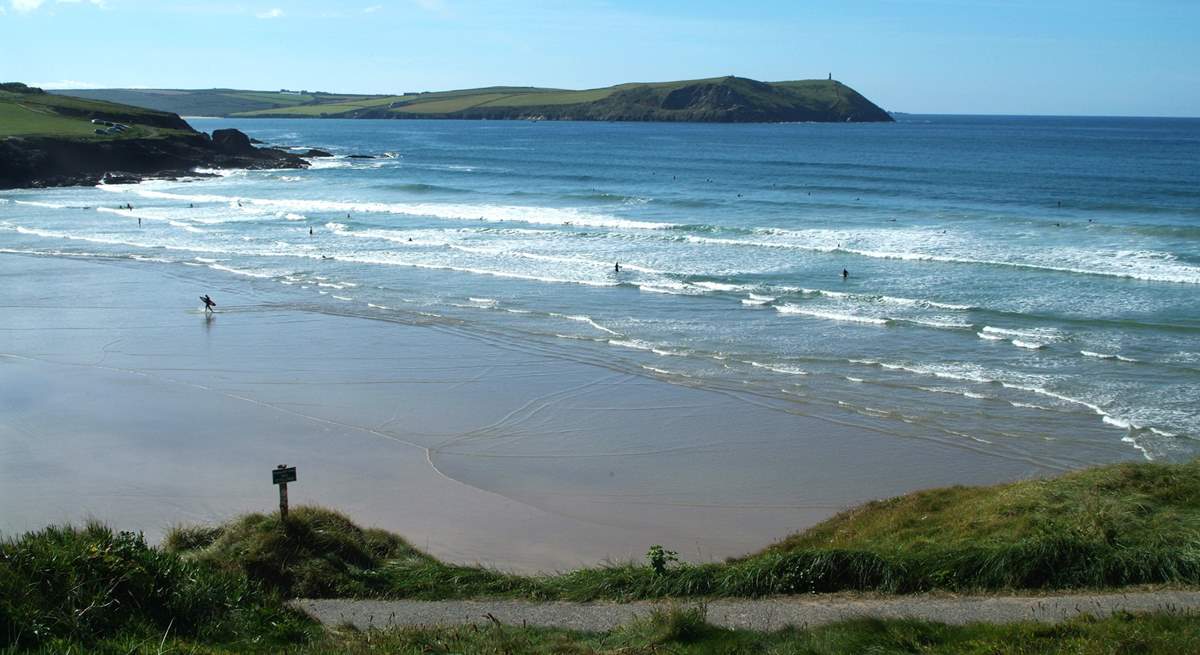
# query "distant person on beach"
(208, 303)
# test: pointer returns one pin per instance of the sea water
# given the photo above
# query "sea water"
(1026, 286)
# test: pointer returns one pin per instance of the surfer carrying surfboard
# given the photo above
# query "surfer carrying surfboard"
(208, 303)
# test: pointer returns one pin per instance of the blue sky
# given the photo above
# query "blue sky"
(1108, 57)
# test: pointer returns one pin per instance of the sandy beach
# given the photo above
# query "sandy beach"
(121, 401)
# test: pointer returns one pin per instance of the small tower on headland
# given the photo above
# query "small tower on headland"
(831, 77)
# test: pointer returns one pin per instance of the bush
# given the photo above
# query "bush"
(88, 584)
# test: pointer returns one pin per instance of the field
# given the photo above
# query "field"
(25, 120)
(40, 114)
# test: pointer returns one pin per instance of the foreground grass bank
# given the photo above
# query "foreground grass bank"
(1113, 526)
(222, 589)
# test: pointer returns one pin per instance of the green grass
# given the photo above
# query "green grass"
(685, 632)
(42, 114)
(23, 120)
(285, 99)
(1114, 526)
(78, 586)
(343, 106)
(453, 104)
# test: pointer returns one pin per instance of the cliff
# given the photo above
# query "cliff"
(52, 140)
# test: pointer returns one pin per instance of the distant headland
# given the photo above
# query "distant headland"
(715, 100)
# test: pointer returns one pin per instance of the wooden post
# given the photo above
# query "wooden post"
(282, 475)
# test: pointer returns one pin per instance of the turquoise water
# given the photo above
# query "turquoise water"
(1024, 286)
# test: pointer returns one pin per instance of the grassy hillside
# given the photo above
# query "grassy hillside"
(49, 140)
(28, 111)
(199, 102)
(1126, 524)
(722, 99)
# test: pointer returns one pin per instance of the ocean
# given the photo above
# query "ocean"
(1025, 287)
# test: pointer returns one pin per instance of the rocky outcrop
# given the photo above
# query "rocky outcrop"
(54, 161)
(232, 142)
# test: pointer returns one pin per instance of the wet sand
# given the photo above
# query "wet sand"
(120, 400)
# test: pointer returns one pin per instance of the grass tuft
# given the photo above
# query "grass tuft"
(88, 584)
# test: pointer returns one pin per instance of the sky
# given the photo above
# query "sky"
(1062, 57)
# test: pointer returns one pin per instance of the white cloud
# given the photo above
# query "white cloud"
(372, 9)
(99, 3)
(24, 6)
(272, 13)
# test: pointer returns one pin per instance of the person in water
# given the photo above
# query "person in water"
(208, 303)
(617, 267)
(845, 274)
(310, 230)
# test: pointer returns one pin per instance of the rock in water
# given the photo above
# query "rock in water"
(232, 141)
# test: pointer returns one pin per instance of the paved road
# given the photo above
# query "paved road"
(762, 614)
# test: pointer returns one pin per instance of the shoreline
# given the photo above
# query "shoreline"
(518, 458)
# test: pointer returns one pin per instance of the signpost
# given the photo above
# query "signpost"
(282, 475)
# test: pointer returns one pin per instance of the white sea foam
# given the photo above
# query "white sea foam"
(885, 299)
(220, 172)
(240, 271)
(1030, 345)
(1089, 353)
(1038, 334)
(38, 203)
(585, 319)
(631, 343)
(446, 211)
(755, 302)
(830, 316)
(720, 286)
(789, 370)
(934, 323)
(878, 244)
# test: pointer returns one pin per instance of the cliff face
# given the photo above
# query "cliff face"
(52, 161)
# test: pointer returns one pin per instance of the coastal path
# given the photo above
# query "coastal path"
(755, 614)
